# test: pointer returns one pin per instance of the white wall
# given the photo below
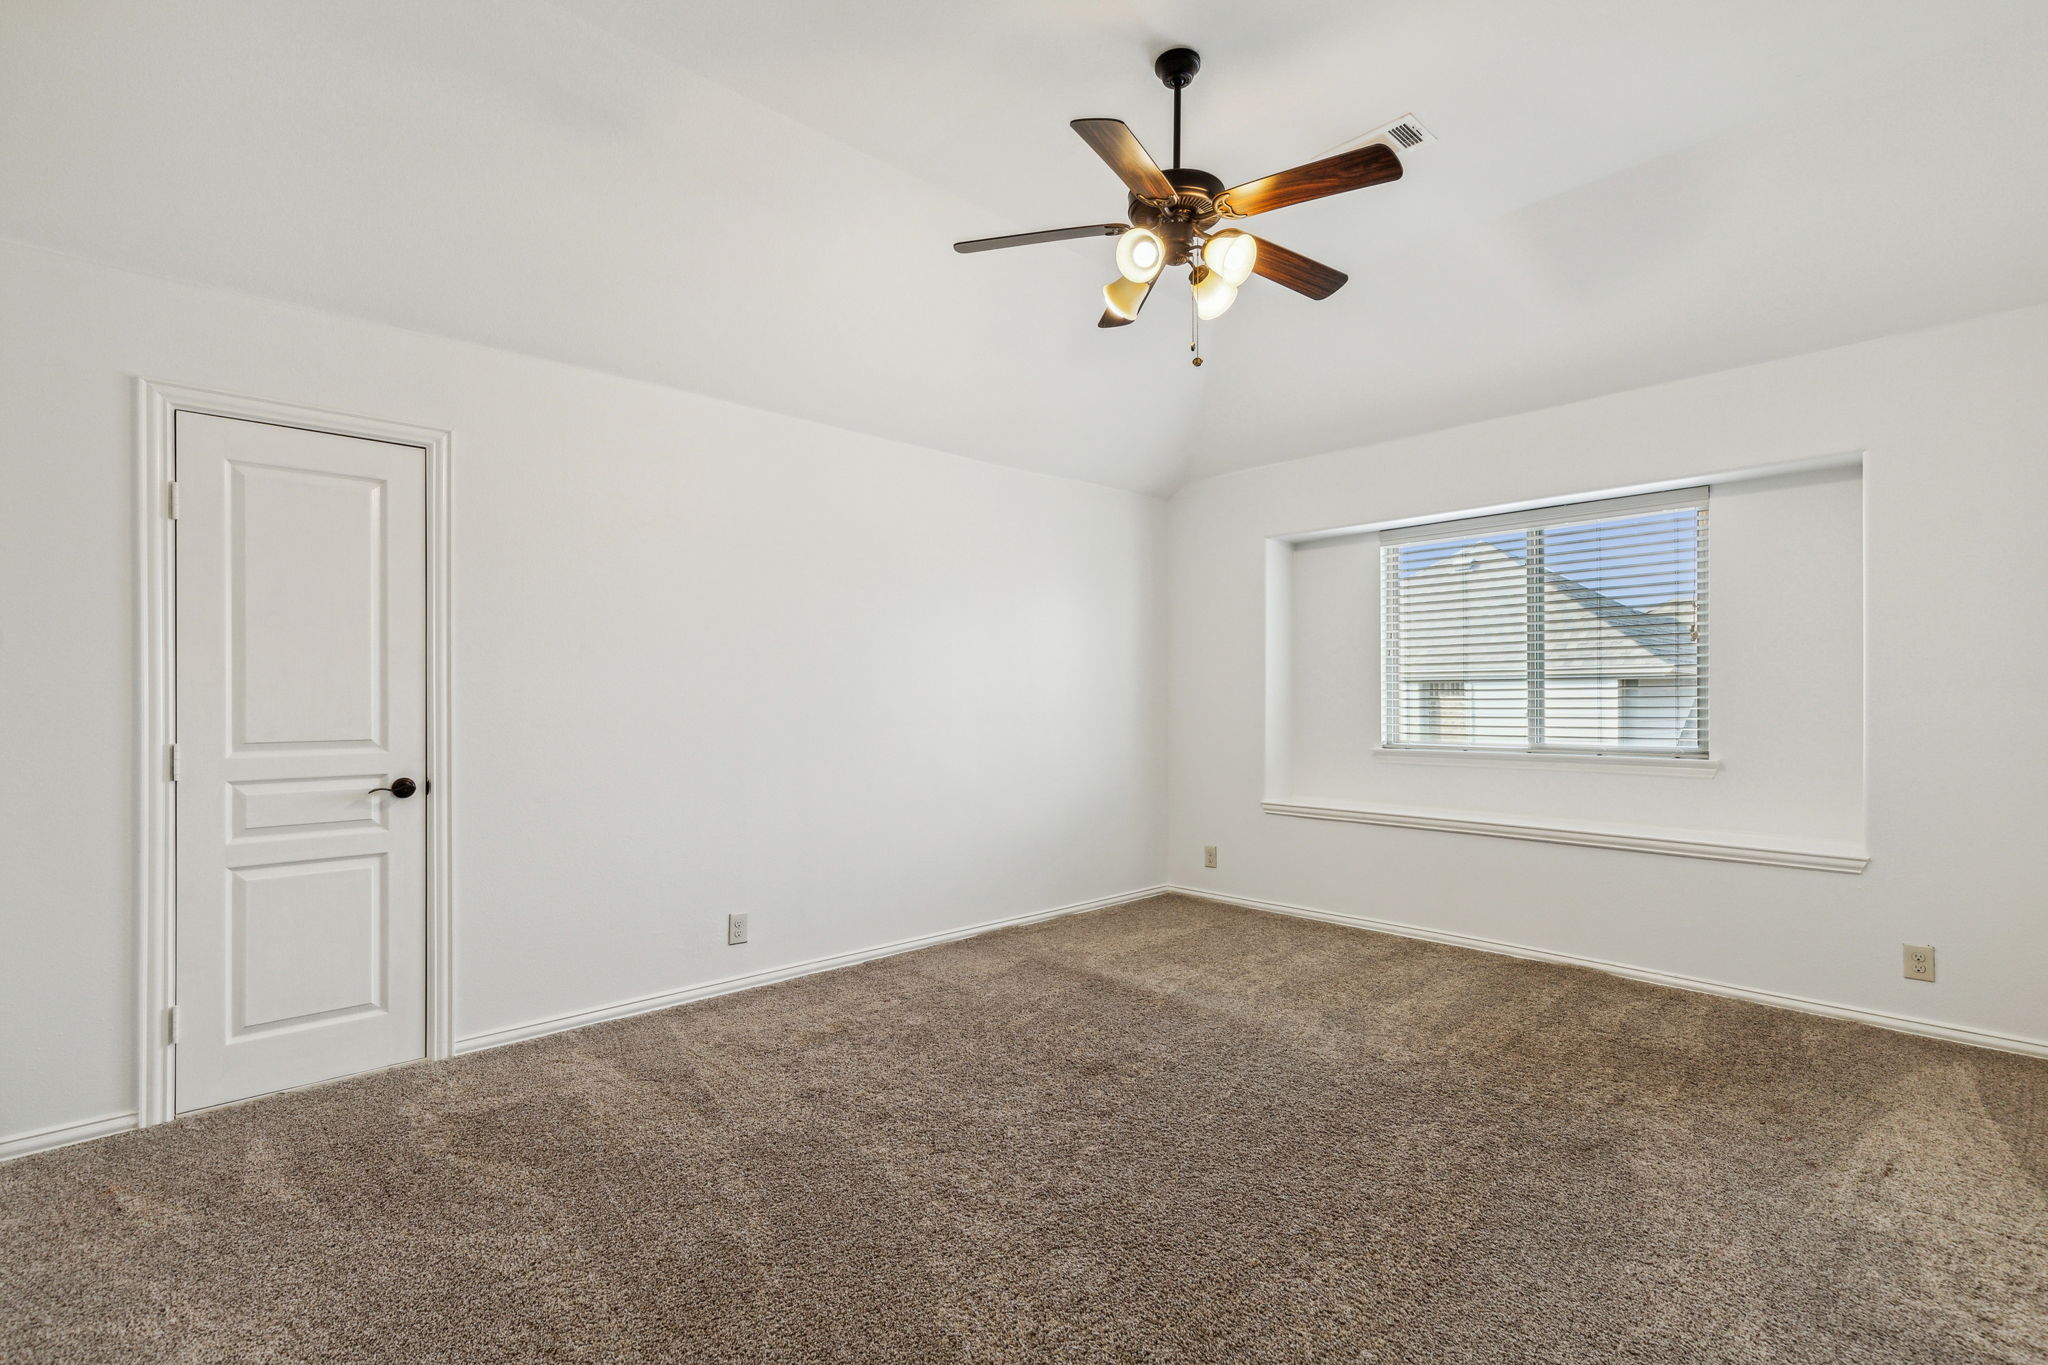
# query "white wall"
(1953, 424)
(707, 659)
(867, 691)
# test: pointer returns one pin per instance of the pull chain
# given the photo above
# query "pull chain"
(1194, 324)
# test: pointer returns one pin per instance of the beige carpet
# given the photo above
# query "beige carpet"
(1171, 1131)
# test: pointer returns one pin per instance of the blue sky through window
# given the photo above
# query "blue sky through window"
(1644, 561)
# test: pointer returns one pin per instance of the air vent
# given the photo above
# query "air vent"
(1402, 134)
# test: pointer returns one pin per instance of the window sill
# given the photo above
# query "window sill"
(1508, 758)
(1639, 839)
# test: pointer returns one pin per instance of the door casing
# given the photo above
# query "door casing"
(156, 404)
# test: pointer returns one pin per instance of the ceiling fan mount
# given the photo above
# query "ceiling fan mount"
(1175, 214)
(1176, 67)
(1193, 202)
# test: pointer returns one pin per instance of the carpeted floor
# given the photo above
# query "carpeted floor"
(1171, 1131)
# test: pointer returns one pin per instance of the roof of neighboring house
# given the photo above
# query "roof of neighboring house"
(1663, 633)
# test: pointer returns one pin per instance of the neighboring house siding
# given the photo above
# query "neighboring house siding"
(1615, 676)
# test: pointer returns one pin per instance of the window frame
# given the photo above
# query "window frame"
(1535, 524)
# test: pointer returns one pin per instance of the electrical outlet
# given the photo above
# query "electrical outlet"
(1919, 962)
(1208, 855)
(735, 929)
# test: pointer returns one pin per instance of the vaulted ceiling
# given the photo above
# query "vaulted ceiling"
(755, 201)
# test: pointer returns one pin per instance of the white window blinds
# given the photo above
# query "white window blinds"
(1578, 629)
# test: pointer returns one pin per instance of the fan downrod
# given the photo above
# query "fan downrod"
(1176, 68)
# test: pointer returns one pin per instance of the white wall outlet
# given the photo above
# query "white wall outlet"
(1208, 855)
(1919, 962)
(735, 929)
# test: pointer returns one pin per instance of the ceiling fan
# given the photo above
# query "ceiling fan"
(1175, 215)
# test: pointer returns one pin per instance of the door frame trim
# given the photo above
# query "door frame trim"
(156, 407)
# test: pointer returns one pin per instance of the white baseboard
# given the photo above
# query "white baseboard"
(623, 1009)
(64, 1134)
(1898, 1023)
(21, 1144)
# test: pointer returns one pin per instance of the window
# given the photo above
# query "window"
(1575, 629)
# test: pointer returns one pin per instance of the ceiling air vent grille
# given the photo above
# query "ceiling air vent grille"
(1402, 134)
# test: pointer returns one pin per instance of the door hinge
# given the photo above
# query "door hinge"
(171, 1024)
(171, 500)
(171, 766)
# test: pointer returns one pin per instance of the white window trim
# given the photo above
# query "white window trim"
(1597, 507)
(1569, 512)
(1655, 765)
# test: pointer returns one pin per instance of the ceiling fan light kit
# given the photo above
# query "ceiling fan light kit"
(1213, 295)
(1174, 216)
(1123, 297)
(1140, 255)
(1232, 254)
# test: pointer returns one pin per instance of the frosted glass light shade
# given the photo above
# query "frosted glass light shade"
(1140, 255)
(1231, 254)
(1213, 296)
(1123, 296)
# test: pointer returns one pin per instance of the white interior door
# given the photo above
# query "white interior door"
(301, 686)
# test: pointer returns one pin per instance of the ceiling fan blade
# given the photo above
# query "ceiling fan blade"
(1110, 317)
(1296, 271)
(1049, 235)
(1115, 143)
(1353, 170)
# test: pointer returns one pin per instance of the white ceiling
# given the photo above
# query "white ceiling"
(755, 201)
